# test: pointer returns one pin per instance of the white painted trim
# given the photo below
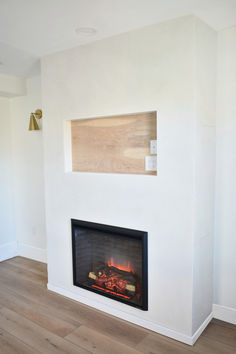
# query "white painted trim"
(199, 331)
(224, 313)
(8, 250)
(190, 340)
(37, 254)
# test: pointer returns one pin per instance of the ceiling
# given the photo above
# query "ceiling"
(30, 29)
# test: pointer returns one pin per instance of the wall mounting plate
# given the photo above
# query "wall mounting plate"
(38, 113)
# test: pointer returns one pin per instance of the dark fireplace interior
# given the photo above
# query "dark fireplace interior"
(110, 261)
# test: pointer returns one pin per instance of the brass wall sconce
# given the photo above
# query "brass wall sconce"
(33, 122)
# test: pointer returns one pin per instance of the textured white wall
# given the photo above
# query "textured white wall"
(7, 232)
(204, 171)
(148, 69)
(170, 68)
(11, 86)
(28, 177)
(225, 220)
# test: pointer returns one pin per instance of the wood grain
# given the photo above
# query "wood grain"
(98, 343)
(11, 345)
(212, 346)
(71, 310)
(35, 336)
(38, 279)
(35, 320)
(221, 333)
(157, 344)
(115, 144)
(29, 264)
(224, 324)
(37, 313)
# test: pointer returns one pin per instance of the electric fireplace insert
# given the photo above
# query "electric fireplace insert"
(111, 261)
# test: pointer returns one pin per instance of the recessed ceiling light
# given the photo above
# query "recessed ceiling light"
(87, 31)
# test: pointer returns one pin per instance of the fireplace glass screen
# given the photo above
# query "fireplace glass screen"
(110, 261)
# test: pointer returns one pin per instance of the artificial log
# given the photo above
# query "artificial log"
(92, 275)
(114, 279)
(129, 287)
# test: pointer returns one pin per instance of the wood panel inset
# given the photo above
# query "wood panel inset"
(116, 144)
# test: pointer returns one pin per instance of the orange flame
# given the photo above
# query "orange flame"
(125, 267)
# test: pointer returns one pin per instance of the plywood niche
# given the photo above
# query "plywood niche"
(116, 144)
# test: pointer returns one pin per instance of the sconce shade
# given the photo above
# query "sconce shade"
(33, 124)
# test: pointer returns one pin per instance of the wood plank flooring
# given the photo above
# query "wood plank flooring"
(35, 320)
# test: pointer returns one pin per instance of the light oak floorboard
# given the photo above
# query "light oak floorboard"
(157, 344)
(224, 324)
(211, 346)
(33, 319)
(29, 264)
(98, 343)
(37, 313)
(36, 336)
(36, 278)
(221, 334)
(11, 345)
(117, 329)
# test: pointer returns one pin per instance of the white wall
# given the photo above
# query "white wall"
(225, 220)
(148, 69)
(169, 68)
(28, 177)
(12, 85)
(7, 232)
(204, 171)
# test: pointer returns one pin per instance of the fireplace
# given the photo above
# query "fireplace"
(111, 261)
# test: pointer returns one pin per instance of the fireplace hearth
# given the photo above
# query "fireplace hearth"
(111, 261)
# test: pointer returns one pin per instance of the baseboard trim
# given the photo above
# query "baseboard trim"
(8, 250)
(224, 313)
(37, 254)
(199, 331)
(190, 340)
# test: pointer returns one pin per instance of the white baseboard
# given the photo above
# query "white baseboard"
(8, 250)
(224, 313)
(37, 254)
(190, 340)
(199, 331)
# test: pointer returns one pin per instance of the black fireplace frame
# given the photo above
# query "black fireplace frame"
(136, 234)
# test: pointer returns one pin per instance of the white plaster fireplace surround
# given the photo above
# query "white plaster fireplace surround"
(168, 68)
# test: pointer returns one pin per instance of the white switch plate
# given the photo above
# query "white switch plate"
(153, 147)
(150, 163)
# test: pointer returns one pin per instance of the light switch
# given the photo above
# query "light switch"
(150, 163)
(153, 147)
